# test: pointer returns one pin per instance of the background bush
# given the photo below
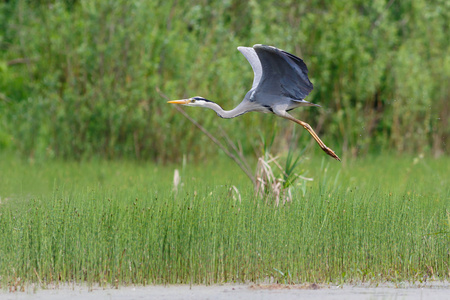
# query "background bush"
(78, 78)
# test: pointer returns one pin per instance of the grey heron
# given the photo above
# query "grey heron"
(280, 84)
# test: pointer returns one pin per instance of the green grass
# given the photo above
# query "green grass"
(115, 223)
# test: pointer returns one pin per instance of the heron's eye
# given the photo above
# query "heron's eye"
(192, 100)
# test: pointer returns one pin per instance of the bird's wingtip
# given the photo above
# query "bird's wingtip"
(243, 48)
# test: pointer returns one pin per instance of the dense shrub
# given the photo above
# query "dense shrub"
(79, 78)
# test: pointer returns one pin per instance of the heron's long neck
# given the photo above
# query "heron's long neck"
(227, 114)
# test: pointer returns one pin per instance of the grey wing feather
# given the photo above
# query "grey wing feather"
(253, 59)
(282, 73)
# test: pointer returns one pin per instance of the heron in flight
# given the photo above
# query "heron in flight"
(280, 84)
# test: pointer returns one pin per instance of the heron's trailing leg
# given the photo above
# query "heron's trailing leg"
(314, 135)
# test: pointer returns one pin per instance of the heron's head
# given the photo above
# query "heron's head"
(194, 101)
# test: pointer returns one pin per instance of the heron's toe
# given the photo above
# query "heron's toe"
(331, 153)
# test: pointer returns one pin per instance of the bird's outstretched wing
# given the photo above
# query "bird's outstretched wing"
(282, 73)
(253, 59)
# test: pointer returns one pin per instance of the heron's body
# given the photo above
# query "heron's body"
(280, 84)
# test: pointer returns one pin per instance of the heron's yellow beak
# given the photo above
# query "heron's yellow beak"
(184, 101)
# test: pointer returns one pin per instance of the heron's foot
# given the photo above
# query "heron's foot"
(331, 153)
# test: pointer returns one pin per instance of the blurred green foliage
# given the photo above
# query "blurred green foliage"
(79, 78)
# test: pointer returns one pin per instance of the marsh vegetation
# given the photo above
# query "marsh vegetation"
(375, 219)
